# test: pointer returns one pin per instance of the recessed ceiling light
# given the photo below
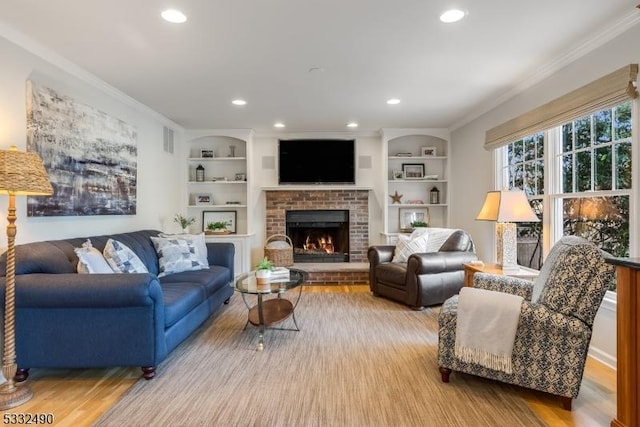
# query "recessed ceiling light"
(239, 102)
(175, 16)
(352, 125)
(278, 125)
(393, 101)
(452, 15)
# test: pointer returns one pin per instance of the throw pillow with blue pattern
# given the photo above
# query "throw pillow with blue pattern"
(176, 255)
(122, 259)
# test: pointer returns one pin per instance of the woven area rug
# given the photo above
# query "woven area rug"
(358, 360)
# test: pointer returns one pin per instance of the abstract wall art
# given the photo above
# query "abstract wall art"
(89, 155)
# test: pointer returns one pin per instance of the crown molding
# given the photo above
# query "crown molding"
(572, 54)
(64, 64)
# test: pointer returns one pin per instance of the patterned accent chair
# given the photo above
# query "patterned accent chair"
(555, 326)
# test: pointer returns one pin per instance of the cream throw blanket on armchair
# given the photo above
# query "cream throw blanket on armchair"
(486, 327)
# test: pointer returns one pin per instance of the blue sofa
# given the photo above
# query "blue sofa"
(70, 320)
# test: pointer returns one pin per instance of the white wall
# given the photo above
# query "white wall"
(468, 155)
(159, 181)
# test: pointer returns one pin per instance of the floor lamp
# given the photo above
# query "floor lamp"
(21, 173)
(506, 208)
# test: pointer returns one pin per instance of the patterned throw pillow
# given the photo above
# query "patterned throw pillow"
(90, 260)
(122, 259)
(198, 241)
(176, 255)
(407, 246)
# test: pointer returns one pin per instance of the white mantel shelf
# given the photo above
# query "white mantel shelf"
(315, 188)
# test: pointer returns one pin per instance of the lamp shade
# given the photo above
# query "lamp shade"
(507, 206)
(22, 173)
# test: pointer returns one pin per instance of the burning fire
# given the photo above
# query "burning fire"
(322, 244)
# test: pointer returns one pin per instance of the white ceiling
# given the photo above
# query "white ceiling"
(262, 51)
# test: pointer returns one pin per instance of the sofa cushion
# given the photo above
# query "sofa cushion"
(210, 280)
(176, 255)
(391, 273)
(91, 260)
(122, 259)
(179, 299)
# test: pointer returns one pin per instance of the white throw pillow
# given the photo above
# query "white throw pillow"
(198, 241)
(91, 260)
(122, 259)
(407, 246)
(176, 255)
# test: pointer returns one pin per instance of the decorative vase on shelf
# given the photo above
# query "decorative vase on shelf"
(200, 173)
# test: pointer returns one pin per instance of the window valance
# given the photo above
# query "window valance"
(607, 91)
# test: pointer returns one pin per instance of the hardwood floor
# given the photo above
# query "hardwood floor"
(79, 397)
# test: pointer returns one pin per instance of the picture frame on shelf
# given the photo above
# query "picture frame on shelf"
(397, 174)
(413, 170)
(203, 199)
(230, 217)
(429, 151)
(241, 177)
(411, 215)
(207, 154)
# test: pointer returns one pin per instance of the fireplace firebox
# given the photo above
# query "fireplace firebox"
(318, 235)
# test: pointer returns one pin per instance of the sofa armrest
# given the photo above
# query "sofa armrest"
(438, 262)
(379, 254)
(71, 290)
(221, 253)
(541, 318)
(506, 284)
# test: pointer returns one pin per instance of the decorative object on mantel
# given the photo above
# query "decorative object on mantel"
(434, 196)
(227, 217)
(396, 198)
(20, 174)
(200, 173)
(217, 227)
(280, 252)
(184, 222)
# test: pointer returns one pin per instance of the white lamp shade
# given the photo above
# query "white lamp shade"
(507, 206)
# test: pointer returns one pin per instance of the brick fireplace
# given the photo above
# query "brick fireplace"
(356, 202)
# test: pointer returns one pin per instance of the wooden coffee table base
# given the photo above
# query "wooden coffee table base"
(273, 311)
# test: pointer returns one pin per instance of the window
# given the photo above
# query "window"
(524, 169)
(591, 171)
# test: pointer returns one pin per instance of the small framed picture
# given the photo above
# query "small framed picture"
(429, 151)
(241, 177)
(413, 170)
(229, 217)
(411, 218)
(206, 154)
(203, 199)
(397, 174)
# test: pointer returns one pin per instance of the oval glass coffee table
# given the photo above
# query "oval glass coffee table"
(270, 311)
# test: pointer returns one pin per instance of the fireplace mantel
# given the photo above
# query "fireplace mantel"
(315, 188)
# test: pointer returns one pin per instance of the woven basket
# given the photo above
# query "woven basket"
(279, 257)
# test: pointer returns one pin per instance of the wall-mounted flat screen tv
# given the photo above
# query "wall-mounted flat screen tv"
(316, 161)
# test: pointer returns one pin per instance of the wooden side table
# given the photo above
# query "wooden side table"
(470, 269)
(628, 342)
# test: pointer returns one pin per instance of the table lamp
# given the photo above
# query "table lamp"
(21, 173)
(506, 208)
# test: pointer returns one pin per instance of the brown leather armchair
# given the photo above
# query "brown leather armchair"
(426, 278)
